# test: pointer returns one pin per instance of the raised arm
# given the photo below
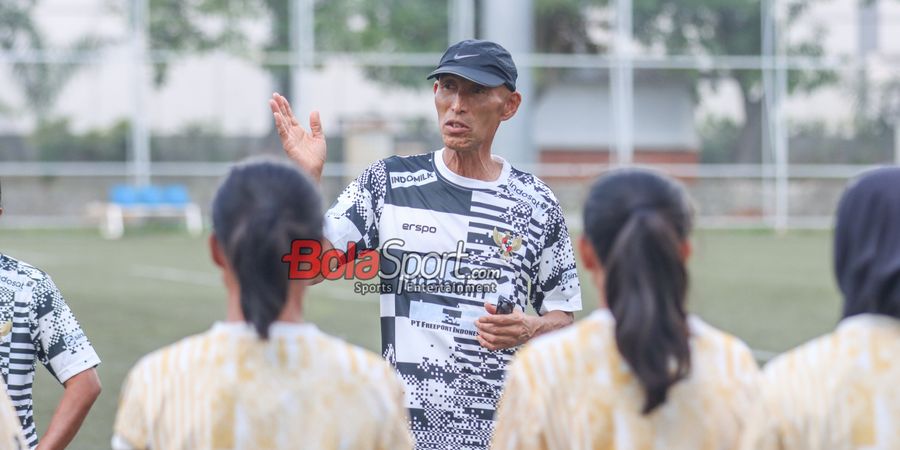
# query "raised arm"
(306, 148)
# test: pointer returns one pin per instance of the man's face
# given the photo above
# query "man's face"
(469, 113)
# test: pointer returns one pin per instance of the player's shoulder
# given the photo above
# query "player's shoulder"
(529, 184)
(709, 340)
(566, 346)
(15, 273)
(846, 348)
(416, 162)
(160, 360)
(718, 355)
(377, 173)
(351, 361)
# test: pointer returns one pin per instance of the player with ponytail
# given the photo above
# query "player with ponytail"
(263, 378)
(640, 372)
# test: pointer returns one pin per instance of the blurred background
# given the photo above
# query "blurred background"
(115, 114)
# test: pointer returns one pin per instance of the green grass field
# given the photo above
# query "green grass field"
(150, 289)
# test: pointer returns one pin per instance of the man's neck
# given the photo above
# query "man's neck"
(477, 165)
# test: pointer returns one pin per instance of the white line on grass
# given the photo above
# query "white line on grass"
(176, 275)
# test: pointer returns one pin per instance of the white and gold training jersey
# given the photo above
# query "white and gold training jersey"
(572, 390)
(11, 435)
(840, 391)
(228, 389)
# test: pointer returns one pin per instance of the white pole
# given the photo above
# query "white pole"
(509, 23)
(140, 136)
(462, 20)
(621, 85)
(782, 186)
(897, 142)
(303, 42)
(767, 146)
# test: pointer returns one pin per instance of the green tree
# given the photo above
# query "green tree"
(680, 27)
(728, 27)
(340, 25)
(706, 27)
(41, 82)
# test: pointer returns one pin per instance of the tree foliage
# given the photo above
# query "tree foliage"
(41, 82)
(677, 27)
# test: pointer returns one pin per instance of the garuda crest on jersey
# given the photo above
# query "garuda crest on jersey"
(507, 243)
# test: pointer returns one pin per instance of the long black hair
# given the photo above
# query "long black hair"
(867, 244)
(636, 222)
(260, 208)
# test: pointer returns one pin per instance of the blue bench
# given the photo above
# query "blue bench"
(126, 202)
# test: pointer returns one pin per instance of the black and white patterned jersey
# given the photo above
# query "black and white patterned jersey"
(448, 244)
(36, 325)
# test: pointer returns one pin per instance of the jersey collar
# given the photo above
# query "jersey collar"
(470, 183)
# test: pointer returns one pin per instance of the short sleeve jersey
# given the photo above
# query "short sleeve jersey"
(448, 244)
(36, 324)
(572, 390)
(227, 389)
(838, 392)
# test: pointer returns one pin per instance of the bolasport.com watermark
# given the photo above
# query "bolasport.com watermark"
(431, 273)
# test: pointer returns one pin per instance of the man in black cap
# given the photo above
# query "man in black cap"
(465, 243)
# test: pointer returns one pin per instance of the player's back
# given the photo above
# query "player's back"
(229, 389)
(573, 390)
(840, 391)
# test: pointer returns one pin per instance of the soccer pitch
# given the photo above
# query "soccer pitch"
(152, 288)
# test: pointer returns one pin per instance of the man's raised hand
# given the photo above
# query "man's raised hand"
(307, 149)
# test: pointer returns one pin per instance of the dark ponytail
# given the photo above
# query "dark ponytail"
(637, 222)
(258, 211)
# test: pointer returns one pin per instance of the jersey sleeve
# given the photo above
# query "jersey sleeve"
(130, 429)
(557, 287)
(354, 216)
(61, 344)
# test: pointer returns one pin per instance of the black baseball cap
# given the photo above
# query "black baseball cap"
(482, 62)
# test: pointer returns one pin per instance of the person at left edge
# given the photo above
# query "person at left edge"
(36, 324)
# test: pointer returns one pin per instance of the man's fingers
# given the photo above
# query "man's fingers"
(279, 124)
(499, 319)
(315, 124)
(485, 343)
(273, 105)
(492, 342)
(287, 106)
(282, 105)
(490, 308)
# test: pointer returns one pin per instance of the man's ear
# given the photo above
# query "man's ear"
(435, 87)
(1, 210)
(216, 251)
(589, 258)
(513, 101)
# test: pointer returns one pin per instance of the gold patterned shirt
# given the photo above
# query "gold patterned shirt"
(228, 389)
(572, 390)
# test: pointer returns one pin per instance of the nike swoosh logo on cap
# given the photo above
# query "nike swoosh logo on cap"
(458, 56)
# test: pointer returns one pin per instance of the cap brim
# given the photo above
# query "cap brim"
(474, 75)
